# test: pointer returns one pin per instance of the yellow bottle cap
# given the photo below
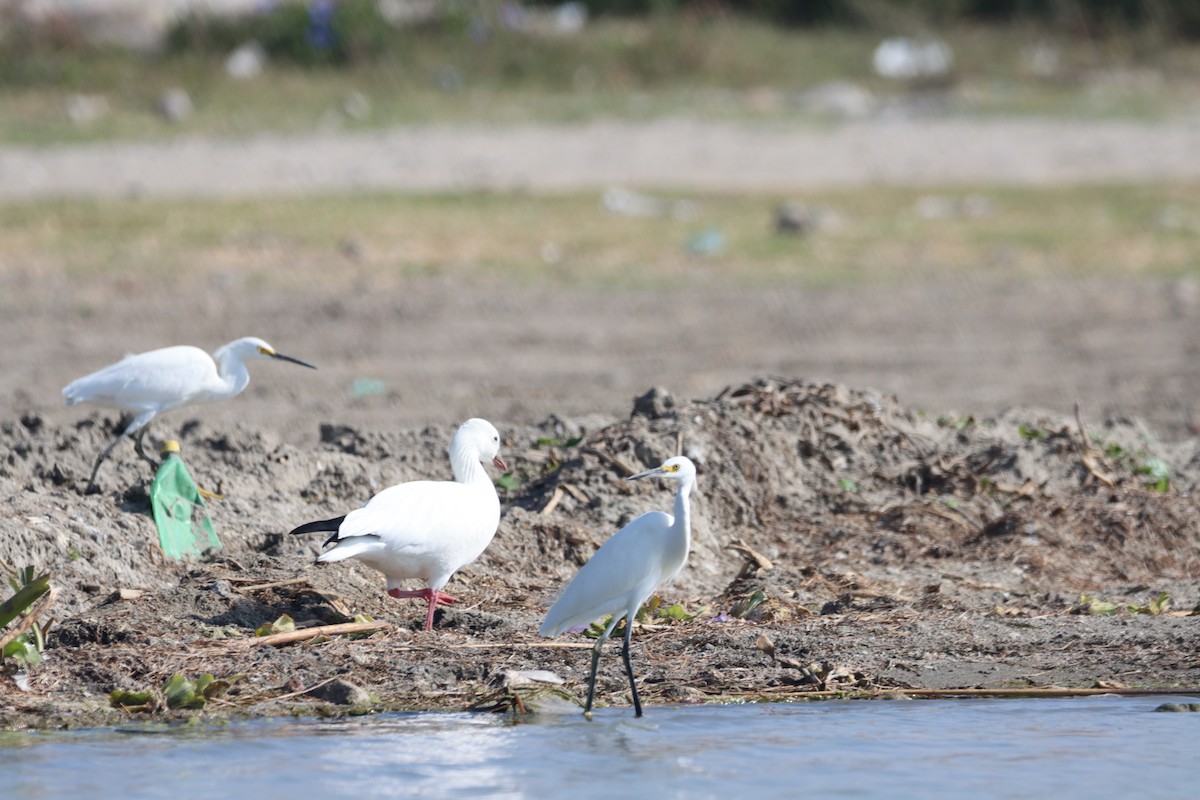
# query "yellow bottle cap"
(171, 446)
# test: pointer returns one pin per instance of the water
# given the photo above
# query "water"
(1083, 747)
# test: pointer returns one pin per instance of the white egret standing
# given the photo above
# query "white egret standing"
(626, 570)
(147, 384)
(425, 530)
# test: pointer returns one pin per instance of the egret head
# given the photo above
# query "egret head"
(250, 347)
(482, 437)
(679, 468)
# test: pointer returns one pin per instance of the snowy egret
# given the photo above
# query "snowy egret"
(147, 384)
(425, 530)
(626, 569)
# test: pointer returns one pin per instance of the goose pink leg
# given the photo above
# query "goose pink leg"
(433, 596)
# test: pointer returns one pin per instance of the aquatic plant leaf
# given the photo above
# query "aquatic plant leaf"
(1159, 605)
(281, 625)
(23, 650)
(1092, 605)
(26, 594)
(202, 683)
(676, 612)
(180, 692)
(131, 701)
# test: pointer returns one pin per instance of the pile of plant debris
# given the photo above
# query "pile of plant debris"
(842, 543)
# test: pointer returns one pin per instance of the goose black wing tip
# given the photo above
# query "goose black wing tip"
(323, 525)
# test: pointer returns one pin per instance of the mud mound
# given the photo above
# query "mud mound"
(838, 520)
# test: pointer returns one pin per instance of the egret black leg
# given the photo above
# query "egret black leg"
(100, 460)
(587, 709)
(637, 704)
(137, 445)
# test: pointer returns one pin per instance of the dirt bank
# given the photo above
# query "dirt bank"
(894, 550)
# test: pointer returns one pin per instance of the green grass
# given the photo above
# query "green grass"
(874, 236)
(718, 69)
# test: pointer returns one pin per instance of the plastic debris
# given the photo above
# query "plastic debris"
(247, 61)
(175, 105)
(905, 59)
(367, 387)
(184, 529)
(708, 242)
(634, 204)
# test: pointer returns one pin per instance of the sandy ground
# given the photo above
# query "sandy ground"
(956, 560)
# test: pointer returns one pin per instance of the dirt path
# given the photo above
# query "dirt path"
(665, 154)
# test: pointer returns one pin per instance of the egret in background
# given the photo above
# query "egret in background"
(626, 570)
(147, 384)
(425, 530)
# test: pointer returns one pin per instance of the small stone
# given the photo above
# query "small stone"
(356, 105)
(654, 403)
(247, 61)
(84, 109)
(765, 644)
(175, 104)
(1176, 707)
(794, 219)
(342, 693)
(515, 678)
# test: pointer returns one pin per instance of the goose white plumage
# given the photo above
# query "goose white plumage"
(626, 570)
(425, 530)
(147, 384)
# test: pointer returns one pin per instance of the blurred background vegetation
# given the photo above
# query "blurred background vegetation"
(490, 61)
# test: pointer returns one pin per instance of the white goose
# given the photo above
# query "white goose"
(425, 530)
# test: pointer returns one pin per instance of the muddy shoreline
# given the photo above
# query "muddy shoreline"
(878, 549)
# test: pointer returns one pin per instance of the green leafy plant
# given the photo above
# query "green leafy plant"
(1031, 433)
(559, 442)
(1156, 473)
(1159, 605)
(743, 609)
(652, 611)
(1092, 605)
(281, 625)
(509, 481)
(27, 590)
(133, 701)
(180, 692)
(24, 648)
(848, 485)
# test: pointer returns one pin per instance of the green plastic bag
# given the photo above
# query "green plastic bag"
(184, 529)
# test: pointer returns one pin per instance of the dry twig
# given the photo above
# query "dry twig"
(1087, 452)
(273, 584)
(288, 637)
(555, 499)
